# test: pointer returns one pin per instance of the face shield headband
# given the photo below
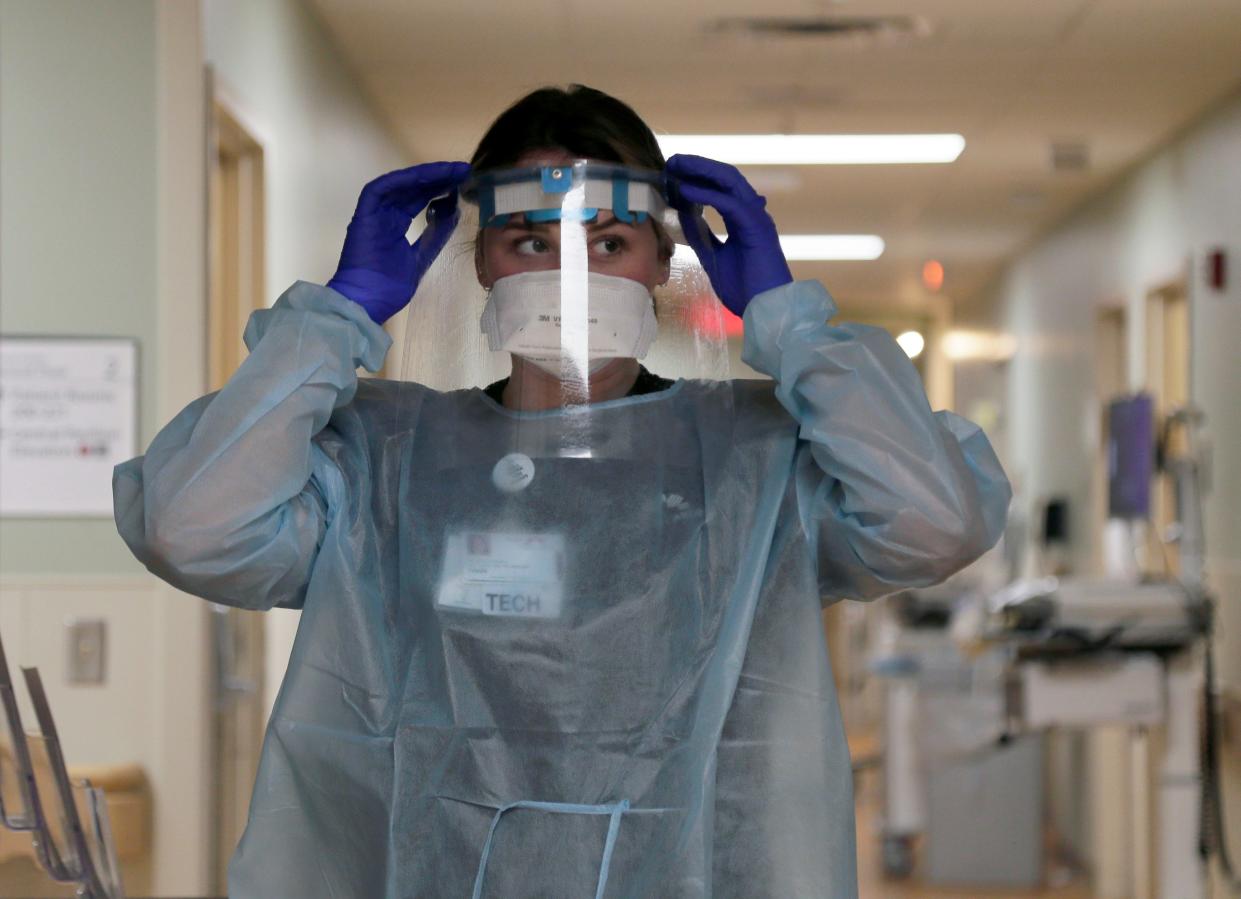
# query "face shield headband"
(483, 303)
(539, 193)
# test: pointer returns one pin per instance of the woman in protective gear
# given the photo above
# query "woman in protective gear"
(560, 631)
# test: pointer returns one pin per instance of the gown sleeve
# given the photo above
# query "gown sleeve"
(891, 494)
(232, 498)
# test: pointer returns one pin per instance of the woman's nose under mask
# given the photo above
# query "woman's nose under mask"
(524, 315)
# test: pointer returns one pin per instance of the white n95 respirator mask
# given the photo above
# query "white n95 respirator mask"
(523, 316)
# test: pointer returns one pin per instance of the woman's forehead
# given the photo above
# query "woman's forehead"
(547, 156)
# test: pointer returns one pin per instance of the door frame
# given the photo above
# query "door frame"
(236, 232)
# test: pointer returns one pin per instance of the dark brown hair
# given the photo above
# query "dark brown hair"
(579, 120)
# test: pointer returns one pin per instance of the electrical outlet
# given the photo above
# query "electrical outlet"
(87, 646)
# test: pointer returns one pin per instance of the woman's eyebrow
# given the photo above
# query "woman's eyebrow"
(600, 223)
(520, 224)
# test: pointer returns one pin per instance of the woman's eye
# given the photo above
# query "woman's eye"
(531, 246)
(609, 246)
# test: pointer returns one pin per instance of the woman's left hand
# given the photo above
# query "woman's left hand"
(750, 260)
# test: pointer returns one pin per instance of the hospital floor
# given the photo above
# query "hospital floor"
(871, 882)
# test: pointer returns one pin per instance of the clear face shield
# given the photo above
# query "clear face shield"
(571, 255)
(567, 277)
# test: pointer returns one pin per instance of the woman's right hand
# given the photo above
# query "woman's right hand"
(379, 269)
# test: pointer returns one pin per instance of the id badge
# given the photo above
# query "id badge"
(508, 574)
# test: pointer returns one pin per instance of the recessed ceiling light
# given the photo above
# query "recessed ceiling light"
(817, 149)
(1070, 156)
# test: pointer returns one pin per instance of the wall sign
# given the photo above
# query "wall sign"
(68, 414)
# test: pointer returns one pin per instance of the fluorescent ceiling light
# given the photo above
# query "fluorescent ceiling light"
(817, 149)
(815, 247)
(979, 346)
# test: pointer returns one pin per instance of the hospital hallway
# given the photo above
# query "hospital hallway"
(555, 448)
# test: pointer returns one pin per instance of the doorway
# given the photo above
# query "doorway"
(236, 288)
(1167, 378)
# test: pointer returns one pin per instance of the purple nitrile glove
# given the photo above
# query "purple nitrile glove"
(750, 260)
(379, 269)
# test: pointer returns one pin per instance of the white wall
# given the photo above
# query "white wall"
(323, 140)
(1141, 234)
(278, 72)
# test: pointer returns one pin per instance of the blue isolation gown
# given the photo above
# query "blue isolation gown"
(673, 729)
